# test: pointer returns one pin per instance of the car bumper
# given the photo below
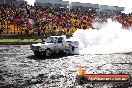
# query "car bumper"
(36, 49)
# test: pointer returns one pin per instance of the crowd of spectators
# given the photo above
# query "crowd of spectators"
(52, 21)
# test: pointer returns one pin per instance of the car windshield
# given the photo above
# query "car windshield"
(49, 40)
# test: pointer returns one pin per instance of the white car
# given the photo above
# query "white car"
(54, 44)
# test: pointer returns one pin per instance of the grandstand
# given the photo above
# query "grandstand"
(53, 17)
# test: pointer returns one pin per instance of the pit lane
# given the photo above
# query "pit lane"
(20, 68)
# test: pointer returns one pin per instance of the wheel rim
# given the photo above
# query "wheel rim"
(48, 53)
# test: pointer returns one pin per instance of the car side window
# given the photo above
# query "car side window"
(60, 40)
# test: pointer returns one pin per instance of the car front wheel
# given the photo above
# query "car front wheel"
(48, 52)
(36, 53)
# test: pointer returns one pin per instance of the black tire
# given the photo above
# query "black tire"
(48, 52)
(36, 53)
(73, 48)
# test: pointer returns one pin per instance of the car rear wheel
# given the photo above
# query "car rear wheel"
(48, 52)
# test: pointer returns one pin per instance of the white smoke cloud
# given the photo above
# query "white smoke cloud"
(111, 38)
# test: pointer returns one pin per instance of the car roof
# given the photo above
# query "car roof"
(57, 36)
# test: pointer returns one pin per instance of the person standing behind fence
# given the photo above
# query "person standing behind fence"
(39, 31)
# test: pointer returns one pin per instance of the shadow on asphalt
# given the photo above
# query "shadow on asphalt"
(54, 56)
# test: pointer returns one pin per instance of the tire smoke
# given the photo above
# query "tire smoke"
(110, 38)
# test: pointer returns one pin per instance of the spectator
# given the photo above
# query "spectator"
(46, 20)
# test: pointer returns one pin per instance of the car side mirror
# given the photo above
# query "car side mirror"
(43, 40)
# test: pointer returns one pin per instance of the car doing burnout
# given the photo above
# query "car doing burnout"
(55, 44)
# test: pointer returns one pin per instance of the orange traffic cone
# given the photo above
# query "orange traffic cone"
(81, 71)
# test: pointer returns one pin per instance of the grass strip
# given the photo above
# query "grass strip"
(20, 40)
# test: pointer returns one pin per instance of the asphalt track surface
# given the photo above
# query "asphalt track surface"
(19, 68)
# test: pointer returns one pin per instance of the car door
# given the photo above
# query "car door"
(59, 44)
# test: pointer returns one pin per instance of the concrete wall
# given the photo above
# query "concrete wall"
(11, 1)
(120, 8)
(20, 0)
(44, 4)
(52, 3)
(111, 8)
(83, 6)
(1, 1)
(78, 5)
(43, 1)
